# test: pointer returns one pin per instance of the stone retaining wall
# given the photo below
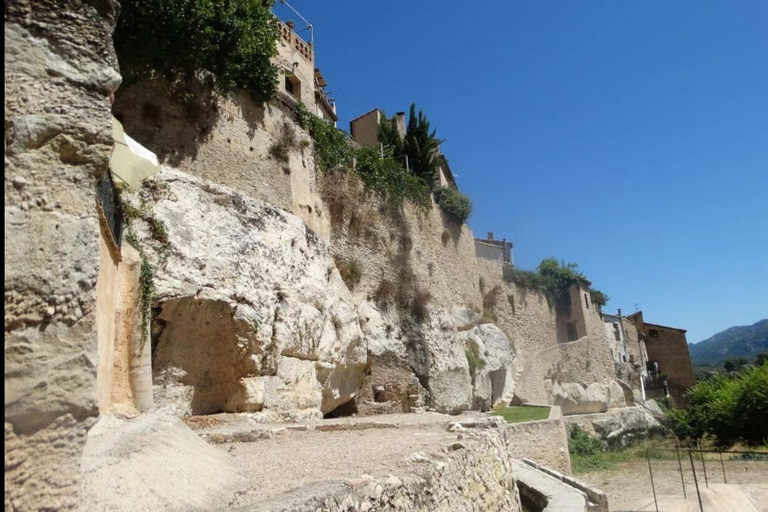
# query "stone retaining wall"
(546, 441)
(474, 475)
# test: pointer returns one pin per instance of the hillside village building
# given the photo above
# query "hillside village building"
(364, 130)
(668, 365)
(302, 81)
(495, 250)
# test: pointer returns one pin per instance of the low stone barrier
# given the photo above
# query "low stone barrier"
(596, 500)
(472, 474)
(545, 441)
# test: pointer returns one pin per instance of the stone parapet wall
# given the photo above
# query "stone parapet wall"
(474, 474)
(545, 441)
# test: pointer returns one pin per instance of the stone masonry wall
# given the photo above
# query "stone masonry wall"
(545, 441)
(228, 141)
(534, 325)
(60, 69)
(437, 253)
(475, 475)
(670, 350)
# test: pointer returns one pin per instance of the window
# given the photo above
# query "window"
(616, 332)
(293, 86)
(653, 333)
(586, 300)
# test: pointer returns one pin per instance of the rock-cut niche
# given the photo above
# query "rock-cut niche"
(197, 347)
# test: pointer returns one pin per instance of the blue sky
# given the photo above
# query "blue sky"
(630, 137)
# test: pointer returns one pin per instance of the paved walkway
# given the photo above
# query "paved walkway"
(719, 498)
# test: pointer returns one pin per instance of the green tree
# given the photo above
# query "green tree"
(421, 146)
(729, 407)
(390, 138)
(233, 40)
(761, 359)
(735, 364)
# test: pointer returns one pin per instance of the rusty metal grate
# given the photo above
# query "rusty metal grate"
(110, 205)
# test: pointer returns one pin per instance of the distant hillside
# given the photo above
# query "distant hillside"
(740, 341)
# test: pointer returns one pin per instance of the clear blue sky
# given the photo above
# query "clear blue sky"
(630, 137)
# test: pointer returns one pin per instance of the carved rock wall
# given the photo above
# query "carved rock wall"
(60, 69)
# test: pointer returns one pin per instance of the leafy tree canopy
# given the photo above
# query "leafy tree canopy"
(233, 40)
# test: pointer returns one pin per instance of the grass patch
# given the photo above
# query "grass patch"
(521, 413)
(474, 360)
(350, 270)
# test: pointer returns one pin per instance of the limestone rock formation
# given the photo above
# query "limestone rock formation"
(468, 364)
(253, 316)
(618, 426)
(579, 398)
(59, 70)
(252, 313)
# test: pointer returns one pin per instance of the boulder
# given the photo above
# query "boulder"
(580, 398)
(252, 313)
(618, 427)
(577, 398)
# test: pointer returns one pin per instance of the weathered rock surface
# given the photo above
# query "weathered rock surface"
(578, 398)
(154, 462)
(449, 337)
(253, 314)
(59, 69)
(619, 426)
(254, 317)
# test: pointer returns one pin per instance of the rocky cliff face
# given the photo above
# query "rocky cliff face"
(253, 316)
(60, 69)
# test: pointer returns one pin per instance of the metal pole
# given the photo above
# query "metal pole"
(722, 465)
(680, 465)
(695, 480)
(653, 487)
(704, 464)
(407, 166)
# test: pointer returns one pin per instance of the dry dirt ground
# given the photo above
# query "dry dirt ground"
(157, 462)
(294, 457)
(629, 486)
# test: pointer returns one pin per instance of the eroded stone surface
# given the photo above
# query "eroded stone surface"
(59, 68)
(253, 313)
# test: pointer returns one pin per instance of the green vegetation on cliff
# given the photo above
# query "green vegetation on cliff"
(553, 278)
(177, 39)
(381, 174)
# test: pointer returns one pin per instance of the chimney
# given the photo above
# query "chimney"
(490, 235)
(290, 24)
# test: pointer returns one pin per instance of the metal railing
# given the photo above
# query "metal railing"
(696, 457)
